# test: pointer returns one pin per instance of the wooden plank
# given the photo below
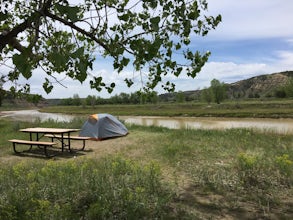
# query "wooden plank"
(32, 142)
(66, 137)
(78, 138)
(49, 130)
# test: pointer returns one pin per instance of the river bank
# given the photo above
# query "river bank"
(236, 109)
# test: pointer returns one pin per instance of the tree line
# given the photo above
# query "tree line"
(122, 98)
(216, 92)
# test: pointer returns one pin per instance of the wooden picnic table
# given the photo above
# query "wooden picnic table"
(63, 134)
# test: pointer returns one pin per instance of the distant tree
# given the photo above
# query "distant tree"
(134, 97)
(250, 95)
(2, 94)
(280, 93)
(76, 100)
(289, 88)
(152, 97)
(33, 98)
(67, 101)
(207, 95)
(2, 91)
(100, 100)
(179, 97)
(218, 90)
(124, 98)
(90, 100)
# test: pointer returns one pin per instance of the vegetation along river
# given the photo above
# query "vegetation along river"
(284, 126)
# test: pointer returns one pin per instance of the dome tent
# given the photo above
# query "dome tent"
(102, 126)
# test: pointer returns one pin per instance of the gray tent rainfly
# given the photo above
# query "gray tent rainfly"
(102, 126)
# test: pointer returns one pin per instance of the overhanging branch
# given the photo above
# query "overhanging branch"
(80, 30)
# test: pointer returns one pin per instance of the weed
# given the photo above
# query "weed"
(110, 188)
(285, 164)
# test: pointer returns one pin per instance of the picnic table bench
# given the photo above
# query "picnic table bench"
(32, 143)
(83, 139)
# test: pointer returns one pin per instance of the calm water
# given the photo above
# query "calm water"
(33, 115)
(284, 126)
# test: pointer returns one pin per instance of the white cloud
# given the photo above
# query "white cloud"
(286, 59)
(252, 19)
(230, 72)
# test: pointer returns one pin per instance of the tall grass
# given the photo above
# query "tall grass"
(238, 164)
(111, 188)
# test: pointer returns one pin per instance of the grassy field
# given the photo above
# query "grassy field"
(152, 173)
(258, 109)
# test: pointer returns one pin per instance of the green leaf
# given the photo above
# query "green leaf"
(47, 86)
(129, 82)
(3, 16)
(22, 65)
(78, 53)
(70, 12)
(58, 60)
(124, 17)
(125, 61)
(153, 3)
(155, 23)
(81, 76)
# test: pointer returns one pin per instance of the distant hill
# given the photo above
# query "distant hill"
(255, 87)
(259, 86)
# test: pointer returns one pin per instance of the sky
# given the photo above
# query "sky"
(255, 37)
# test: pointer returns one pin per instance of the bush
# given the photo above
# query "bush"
(113, 188)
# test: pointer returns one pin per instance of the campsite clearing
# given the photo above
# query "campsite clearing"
(158, 172)
(207, 174)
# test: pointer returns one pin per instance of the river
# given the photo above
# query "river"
(33, 115)
(283, 126)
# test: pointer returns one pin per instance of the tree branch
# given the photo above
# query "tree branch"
(9, 36)
(82, 31)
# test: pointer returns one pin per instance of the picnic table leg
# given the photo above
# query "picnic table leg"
(69, 142)
(14, 148)
(45, 151)
(31, 138)
(62, 142)
(18, 152)
(83, 146)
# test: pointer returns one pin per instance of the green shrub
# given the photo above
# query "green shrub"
(285, 164)
(112, 188)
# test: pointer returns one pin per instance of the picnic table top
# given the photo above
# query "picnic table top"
(49, 130)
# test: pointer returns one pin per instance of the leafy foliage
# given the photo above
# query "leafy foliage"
(62, 37)
(216, 92)
(111, 188)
